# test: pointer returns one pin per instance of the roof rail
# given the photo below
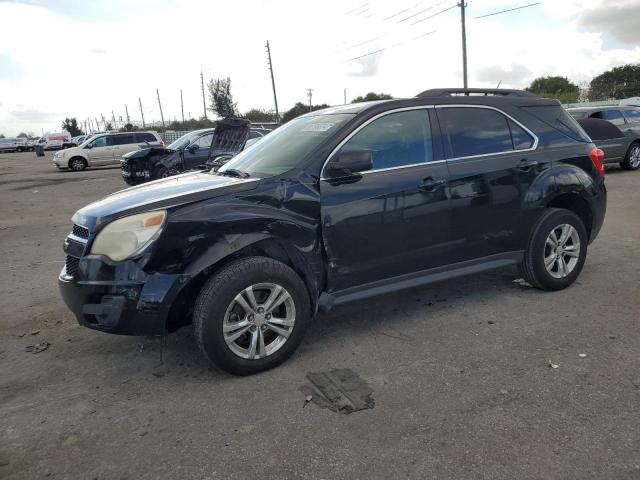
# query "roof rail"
(450, 92)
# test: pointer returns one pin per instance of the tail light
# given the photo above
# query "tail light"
(597, 157)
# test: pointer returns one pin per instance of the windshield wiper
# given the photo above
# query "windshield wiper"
(232, 172)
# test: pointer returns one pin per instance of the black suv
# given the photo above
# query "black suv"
(335, 206)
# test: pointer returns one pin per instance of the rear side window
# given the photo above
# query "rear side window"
(124, 139)
(632, 115)
(557, 118)
(145, 137)
(395, 140)
(476, 131)
(521, 139)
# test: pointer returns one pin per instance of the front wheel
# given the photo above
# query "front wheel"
(251, 316)
(556, 250)
(77, 164)
(632, 159)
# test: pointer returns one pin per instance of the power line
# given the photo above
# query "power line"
(422, 11)
(508, 10)
(357, 8)
(435, 14)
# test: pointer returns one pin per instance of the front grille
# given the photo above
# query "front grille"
(79, 231)
(72, 265)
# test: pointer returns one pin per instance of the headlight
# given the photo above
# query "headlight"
(129, 236)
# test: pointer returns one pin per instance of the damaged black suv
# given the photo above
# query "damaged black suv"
(336, 206)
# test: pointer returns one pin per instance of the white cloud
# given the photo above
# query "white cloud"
(78, 66)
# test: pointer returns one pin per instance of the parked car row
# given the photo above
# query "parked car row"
(338, 205)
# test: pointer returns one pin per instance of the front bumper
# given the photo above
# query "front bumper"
(119, 297)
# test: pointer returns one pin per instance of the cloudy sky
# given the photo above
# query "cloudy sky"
(85, 59)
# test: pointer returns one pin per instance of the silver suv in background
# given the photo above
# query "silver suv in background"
(13, 144)
(105, 149)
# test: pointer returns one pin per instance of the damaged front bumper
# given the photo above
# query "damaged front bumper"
(119, 297)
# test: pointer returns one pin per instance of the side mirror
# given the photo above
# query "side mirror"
(89, 145)
(350, 162)
(193, 148)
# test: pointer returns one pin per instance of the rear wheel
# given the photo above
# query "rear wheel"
(556, 250)
(251, 316)
(632, 160)
(77, 164)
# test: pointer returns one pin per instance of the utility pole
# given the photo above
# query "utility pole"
(345, 96)
(310, 95)
(104, 124)
(97, 124)
(462, 6)
(126, 110)
(204, 103)
(113, 118)
(273, 82)
(160, 105)
(181, 106)
(141, 112)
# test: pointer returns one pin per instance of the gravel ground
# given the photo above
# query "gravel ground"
(460, 371)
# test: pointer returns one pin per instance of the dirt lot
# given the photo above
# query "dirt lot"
(460, 371)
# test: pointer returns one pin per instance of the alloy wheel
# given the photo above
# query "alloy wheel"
(77, 165)
(634, 157)
(259, 320)
(562, 251)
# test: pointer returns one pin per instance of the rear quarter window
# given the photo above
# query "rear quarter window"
(557, 118)
(145, 137)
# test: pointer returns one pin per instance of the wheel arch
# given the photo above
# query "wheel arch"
(258, 246)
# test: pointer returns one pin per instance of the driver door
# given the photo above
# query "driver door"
(197, 153)
(395, 218)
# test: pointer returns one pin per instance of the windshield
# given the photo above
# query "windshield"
(184, 140)
(285, 147)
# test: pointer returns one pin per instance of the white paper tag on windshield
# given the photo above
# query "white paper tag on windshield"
(318, 127)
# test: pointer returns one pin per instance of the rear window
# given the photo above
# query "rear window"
(124, 139)
(557, 118)
(145, 137)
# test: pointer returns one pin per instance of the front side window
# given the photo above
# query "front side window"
(99, 142)
(395, 140)
(614, 116)
(476, 131)
(204, 141)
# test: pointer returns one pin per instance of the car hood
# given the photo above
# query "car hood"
(164, 193)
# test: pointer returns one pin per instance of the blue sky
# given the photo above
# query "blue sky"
(86, 59)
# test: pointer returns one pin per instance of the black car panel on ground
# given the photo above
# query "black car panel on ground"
(335, 206)
(190, 152)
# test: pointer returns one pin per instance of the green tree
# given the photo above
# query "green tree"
(372, 96)
(108, 127)
(22, 135)
(559, 88)
(220, 97)
(1, 135)
(71, 126)
(617, 83)
(129, 127)
(259, 115)
(300, 109)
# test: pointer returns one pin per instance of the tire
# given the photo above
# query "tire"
(77, 164)
(540, 250)
(217, 308)
(632, 159)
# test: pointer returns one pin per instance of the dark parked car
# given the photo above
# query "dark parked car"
(335, 206)
(617, 146)
(198, 149)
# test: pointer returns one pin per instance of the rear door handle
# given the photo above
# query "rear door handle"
(526, 165)
(430, 184)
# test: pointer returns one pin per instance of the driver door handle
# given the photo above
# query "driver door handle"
(526, 165)
(430, 184)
